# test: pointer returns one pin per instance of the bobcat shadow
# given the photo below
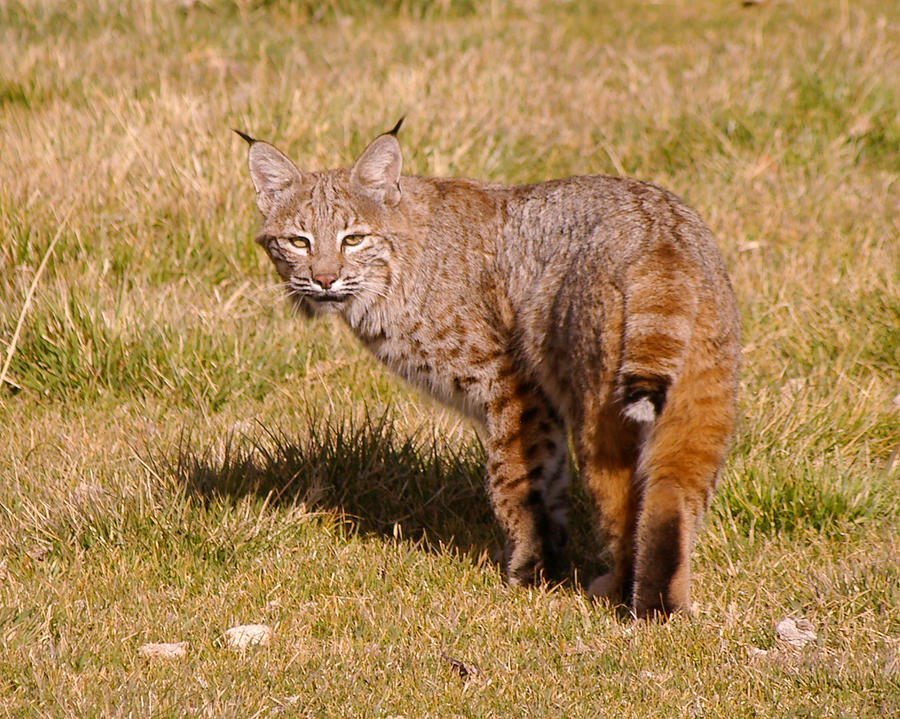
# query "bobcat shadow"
(375, 479)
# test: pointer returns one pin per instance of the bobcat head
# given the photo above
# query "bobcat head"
(321, 229)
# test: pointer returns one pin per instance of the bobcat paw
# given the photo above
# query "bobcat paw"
(605, 587)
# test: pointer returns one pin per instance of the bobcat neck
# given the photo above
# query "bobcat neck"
(424, 327)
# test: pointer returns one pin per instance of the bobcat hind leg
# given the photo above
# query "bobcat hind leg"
(679, 466)
(607, 452)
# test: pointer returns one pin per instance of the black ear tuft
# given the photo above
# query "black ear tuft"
(245, 136)
(396, 127)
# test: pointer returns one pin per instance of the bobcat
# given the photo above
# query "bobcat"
(592, 306)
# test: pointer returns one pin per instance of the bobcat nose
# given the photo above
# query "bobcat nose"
(325, 280)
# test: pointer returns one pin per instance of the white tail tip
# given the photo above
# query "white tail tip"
(641, 411)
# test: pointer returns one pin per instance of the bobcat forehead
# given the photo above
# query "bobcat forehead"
(591, 312)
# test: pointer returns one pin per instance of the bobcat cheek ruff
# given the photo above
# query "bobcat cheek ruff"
(593, 307)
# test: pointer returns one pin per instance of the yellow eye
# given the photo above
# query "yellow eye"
(301, 242)
(353, 240)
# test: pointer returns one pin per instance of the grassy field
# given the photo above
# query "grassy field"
(178, 455)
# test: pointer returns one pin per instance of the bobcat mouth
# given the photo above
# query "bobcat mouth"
(328, 297)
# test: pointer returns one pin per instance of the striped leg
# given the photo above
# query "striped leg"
(527, 476)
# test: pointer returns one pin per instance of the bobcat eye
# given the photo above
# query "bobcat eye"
(353, 240)
(300, 242)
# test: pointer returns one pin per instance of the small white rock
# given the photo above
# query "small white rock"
(38, 552)
(163, 650)
(246, 635)
(796, 632)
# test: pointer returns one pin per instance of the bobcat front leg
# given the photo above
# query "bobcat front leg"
(527, 476)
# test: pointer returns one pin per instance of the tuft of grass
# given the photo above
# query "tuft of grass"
(788, 498)
(377, 477)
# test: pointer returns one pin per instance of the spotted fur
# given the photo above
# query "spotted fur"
(595, 308)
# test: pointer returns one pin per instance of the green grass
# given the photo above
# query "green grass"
(178, 454)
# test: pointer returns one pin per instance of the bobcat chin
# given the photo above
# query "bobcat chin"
(594, 307)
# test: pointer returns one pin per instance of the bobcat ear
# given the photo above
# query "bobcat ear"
(272, 173)
(376, 174)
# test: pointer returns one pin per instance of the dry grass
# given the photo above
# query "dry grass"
(178, 456)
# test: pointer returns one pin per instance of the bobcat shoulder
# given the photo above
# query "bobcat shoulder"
(593, 307)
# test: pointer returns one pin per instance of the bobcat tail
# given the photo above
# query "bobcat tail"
(660, 310)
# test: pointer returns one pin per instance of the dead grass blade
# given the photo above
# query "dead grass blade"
(10, 351)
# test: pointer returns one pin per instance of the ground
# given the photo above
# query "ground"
(179, 455)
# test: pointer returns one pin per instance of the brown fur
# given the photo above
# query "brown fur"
(596, 306)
